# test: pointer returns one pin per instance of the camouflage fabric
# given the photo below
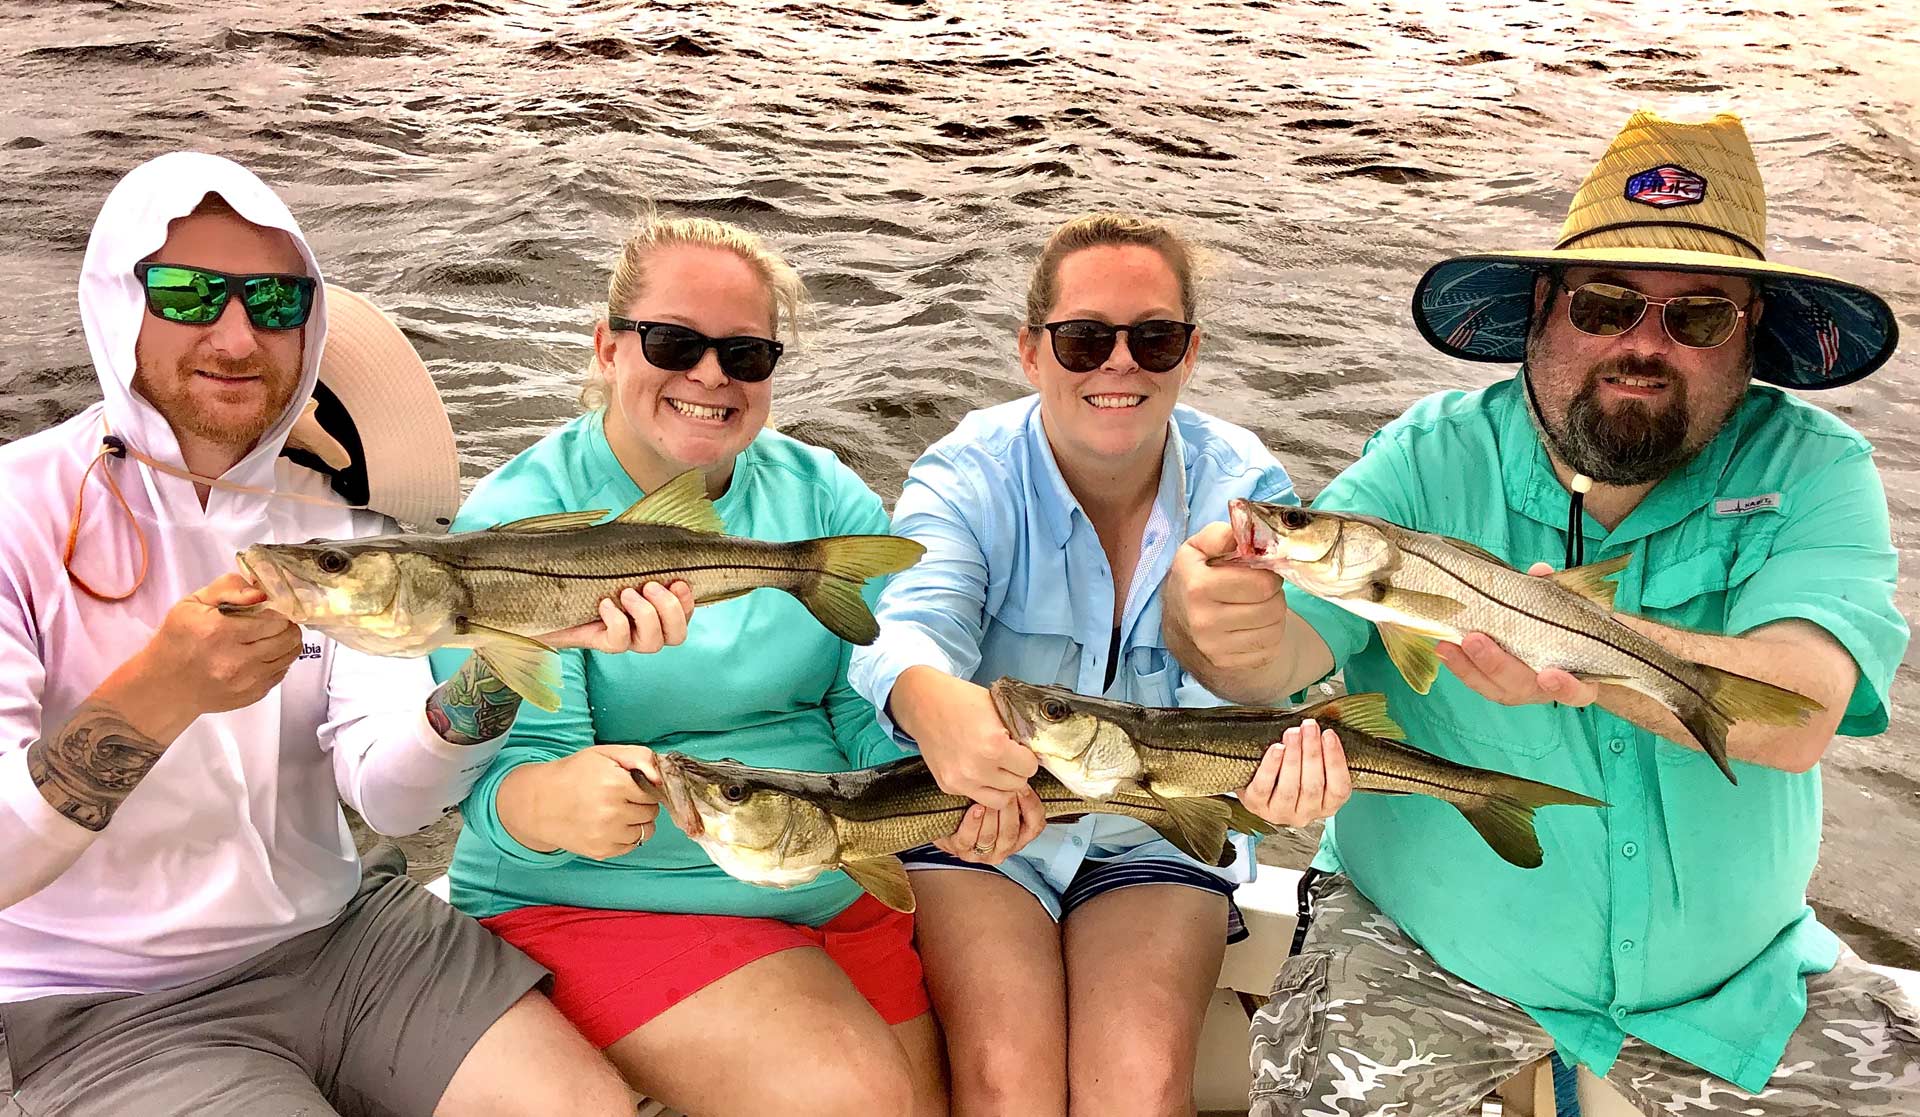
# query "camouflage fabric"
(1362, 1021)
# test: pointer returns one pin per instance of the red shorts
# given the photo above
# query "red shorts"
(615, 970)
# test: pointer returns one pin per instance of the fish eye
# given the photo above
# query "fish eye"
(334, 561)
(1053, 709)
(734, 792)
(1293, 519)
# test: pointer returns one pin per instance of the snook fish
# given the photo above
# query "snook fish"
(779, 827)
(1099, 747)
(1419, 589)
(495, 590)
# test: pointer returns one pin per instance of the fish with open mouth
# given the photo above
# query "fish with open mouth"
(1099, 747)
(1418, 589)
(496, 590)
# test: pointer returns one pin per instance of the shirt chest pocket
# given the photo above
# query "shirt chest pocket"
(1688, 578)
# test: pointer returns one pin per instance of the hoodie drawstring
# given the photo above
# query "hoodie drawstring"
(112, 445)
(117, 448)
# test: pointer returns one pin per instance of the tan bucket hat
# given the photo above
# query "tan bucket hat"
(377, 426)
(1672, 196)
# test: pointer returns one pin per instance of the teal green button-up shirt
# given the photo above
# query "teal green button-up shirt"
(1677, 914)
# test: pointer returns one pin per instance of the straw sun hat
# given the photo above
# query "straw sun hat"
(1674, 197)
(376, 425)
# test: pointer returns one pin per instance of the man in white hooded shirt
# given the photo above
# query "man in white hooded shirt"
(184, 924)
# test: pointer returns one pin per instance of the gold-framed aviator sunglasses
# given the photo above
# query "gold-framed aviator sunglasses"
(1695, 321)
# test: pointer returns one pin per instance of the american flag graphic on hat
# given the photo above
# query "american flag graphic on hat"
(1666, 186)
(1826, 334)
(1470, 325)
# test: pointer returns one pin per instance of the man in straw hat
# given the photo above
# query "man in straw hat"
(1668, 935)
(184, 923)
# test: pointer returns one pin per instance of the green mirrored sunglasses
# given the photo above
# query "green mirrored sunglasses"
(197, 296)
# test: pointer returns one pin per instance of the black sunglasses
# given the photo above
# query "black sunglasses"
(676, 348)
(197, 296)
(1084, 344)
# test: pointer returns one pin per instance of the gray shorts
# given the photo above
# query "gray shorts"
(369, 1015)
(1363, 1022)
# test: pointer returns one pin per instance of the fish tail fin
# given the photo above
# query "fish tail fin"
(1366, 712)
(840, 566)
(1732, 698)
(1504, 816)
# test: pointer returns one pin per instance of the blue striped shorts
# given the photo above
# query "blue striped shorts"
(1097, 876)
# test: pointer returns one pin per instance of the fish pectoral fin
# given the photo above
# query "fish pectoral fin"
(1198, 826)
(1419, 606)
(884, 878)
(1412, 652)
(529, 668)
(1366, 712)
(1593, 581)
(681, 502)
(554, 521)
(1507, 827)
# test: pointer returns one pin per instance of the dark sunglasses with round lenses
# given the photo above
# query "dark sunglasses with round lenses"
(1084, 344)
(677, 348)
(1695, 321)
(197, 296)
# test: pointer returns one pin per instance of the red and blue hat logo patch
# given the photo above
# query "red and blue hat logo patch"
(1666, 186)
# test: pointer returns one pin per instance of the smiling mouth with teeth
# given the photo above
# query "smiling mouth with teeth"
(1115, 401)
(1636, 382)
(699, 411)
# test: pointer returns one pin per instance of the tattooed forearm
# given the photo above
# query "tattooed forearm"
(88, 766)
(473, 706)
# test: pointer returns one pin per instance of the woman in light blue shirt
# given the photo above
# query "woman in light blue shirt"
(1049, 524)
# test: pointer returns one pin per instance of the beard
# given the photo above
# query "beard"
(172, 394)
(1631, 443)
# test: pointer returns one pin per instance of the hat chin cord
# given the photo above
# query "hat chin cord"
(1581, 485)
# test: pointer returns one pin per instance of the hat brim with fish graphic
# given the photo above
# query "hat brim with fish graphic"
(1668, 196)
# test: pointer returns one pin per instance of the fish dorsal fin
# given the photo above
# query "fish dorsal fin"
(1592, 580)
(885, 879)
(681, 502)
(1366, 712)
(1413, 654)
(554, 521)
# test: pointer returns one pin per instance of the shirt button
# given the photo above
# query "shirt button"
(1629, 850)
(1617, 745)
(1626, 946)
(1078, 841)
(1620, 1014)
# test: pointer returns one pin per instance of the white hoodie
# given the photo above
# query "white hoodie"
(235, 840)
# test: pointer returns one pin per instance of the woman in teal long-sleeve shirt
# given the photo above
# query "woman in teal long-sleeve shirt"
(696, 985)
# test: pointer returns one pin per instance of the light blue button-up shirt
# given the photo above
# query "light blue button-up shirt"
(1015, 581)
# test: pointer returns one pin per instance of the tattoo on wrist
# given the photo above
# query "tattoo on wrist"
(473, 706)
(88, 767)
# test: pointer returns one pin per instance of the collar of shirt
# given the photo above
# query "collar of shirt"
(1535, 491)
(1058, 506)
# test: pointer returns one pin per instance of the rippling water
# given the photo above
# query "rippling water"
(471, 164)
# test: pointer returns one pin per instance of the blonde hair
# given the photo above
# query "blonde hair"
(786, 293)
(1094, 230)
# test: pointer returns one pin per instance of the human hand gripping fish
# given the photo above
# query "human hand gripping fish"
(1422, 590)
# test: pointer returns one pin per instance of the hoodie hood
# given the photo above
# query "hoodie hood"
(131, 227)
